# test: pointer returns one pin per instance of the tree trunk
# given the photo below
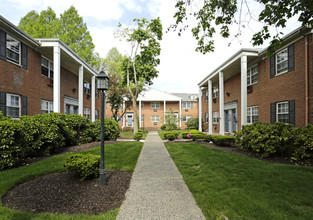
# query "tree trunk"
(135, 116)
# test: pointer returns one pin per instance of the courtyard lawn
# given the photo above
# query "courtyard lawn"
(121, 156)
(129, 134)
(240, 187)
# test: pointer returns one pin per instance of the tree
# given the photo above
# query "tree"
(223, 14)
(118, 93)
(70, 28)
(171, 120)
(140, 66)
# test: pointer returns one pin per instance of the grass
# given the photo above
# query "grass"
(129, 134)
(122, 156)
(240, 187)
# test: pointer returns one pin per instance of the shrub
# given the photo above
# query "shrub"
(163, 127)
(266, 139)
(303, 143)
(138, 136)
(222, 140)
(171, 133)
(196, 136)
(185, 134)
(207, 138)
(85, 166)
(111, 129)
(171, 136)
(193, 123)
(140, 130)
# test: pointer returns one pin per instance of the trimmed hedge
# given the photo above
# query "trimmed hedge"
(171, 136)
(46, 134)
(185, 134)
(207, 138)
(277, 139)
(85, 166)
(196, 136)
(222, 140)
(171, 133)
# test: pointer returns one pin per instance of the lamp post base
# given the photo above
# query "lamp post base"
(102, 173)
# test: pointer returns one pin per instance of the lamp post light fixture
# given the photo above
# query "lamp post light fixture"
(102, 85)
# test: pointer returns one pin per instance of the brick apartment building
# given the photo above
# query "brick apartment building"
(250, 87)
(43, 75)
(153, 105)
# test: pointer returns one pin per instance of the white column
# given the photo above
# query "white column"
(180, 113)
(56, 78)
(210, 107)
(164, 111)
(140, 121)
(221, 94)
(81, 91)
(244, 99)
(230, 121)
(200, 109)
(124, 114)
(93, 98)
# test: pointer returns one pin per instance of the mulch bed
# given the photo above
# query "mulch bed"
(64, 193)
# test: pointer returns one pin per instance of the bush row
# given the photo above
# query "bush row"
(46, 134)
(277, 139)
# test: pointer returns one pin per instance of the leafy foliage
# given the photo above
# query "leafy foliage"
(85, 166)
(303, 143)
(185, 134)
(171, 120)
(163, 127)
(171, 135)
(218, 16)
(70, 28)
(46, 134)
(140, 67)
(223, 140)
(193, 123)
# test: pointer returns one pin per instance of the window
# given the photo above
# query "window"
(186, 105)
(252, 75)
(46, 107)
(142, 105)
(252, 114)
(206, 95)
(215, 92)
(207, 117)
(216, 117)
(13, 49)
(46, 68)
(155, 118)
(87, 113)
(282, 62)
(97, 114)
(13, 105)
(282, 112)
(186, 117)
(155, 105)
(87, 88)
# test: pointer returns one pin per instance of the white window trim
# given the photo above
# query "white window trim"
(279, 103)
(276, 69)
(8, 104)
(206, 117)
(87, 112)
(216, 119)
(215, 93)
(19, 52)
(249, 72)
(186, 105)
(154, 103)
(155, 118)
(251, 113)
(50, 105)
(50, 67)
(86, 89)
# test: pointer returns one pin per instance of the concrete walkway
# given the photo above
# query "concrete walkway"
(157, 189)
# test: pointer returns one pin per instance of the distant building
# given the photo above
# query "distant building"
(251, 87)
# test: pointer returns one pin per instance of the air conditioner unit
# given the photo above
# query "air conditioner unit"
(155, 110)
(186, 109)
(250, 89)
(50, 82)
(155, 123)
(214, 100)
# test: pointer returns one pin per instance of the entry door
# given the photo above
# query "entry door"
(129, 120)
(234, 120)
(226, 120)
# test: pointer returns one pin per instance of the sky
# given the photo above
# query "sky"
(181, 67)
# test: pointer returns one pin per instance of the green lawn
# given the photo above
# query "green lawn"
(129, 134)
(240, 187)
(122, 156)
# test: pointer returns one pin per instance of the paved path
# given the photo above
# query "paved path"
(157, 190)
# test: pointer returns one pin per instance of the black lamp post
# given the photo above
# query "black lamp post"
(102, 85)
